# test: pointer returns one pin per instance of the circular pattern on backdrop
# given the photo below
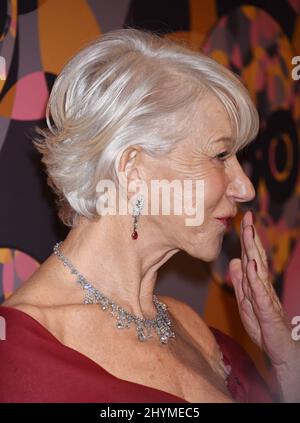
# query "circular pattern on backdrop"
(31, 97)
(280, 155)
(250, 42)
(33, 58)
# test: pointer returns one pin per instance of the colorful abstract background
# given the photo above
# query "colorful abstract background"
(255, 39)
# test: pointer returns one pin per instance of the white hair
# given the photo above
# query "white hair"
(129, 87)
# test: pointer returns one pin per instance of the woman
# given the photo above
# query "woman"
(131, 108)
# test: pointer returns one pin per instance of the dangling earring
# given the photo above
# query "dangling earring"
(136, 214)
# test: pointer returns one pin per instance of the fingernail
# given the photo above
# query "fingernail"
(255, 265)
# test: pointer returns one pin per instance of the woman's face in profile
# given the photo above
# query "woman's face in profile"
(224, 182)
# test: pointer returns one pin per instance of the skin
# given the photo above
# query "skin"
(126, 270)
(261, 312)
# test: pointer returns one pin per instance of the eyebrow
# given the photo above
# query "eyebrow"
(229, 139)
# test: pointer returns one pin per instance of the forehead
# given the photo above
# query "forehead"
(211, 119)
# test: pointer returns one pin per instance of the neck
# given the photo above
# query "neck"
(123, 269)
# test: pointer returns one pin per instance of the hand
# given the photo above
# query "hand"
(259, 307)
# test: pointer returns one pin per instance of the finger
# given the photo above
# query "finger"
(263, 270)
(264, 297)
(260, 247)
(260, 258)
(249, 221)
(244, 257)
(236, 275)
(261, 300)
(243, 251)
(253, 252)
(248, 218)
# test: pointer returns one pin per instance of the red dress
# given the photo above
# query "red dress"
(36, 367)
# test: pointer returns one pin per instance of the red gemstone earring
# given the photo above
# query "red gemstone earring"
(136, 214)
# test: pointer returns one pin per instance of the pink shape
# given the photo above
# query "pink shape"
(236, 57)
(263, 28)
(268, 28)
(254, 34)
(31, 97)
(291, 289)
(8, 277)
(13, 25)
(25, 265)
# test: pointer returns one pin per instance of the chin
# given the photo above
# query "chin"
(207, 252)
(209, 255)
(212, 257)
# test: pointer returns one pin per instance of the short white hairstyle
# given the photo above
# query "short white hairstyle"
(128, 88)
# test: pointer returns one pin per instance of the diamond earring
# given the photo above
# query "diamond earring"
(136, 214)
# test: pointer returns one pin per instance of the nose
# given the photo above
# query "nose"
(240, 187)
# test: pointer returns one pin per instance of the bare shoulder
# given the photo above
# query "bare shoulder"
(24, 299)
(20, 296)
(30, 309)
(36, 296)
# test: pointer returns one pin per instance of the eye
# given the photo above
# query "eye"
(222, 156)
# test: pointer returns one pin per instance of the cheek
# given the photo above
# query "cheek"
(214, 189)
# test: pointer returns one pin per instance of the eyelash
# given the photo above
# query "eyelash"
(222, 159)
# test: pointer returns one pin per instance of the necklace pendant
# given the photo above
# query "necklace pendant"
(122, 323)
(134, 235)
(141, 337)
(164, 339)
(119, 325)
(141, 334)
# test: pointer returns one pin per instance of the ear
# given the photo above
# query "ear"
(129, 165)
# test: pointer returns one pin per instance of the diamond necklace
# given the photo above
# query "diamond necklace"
(161, 324)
